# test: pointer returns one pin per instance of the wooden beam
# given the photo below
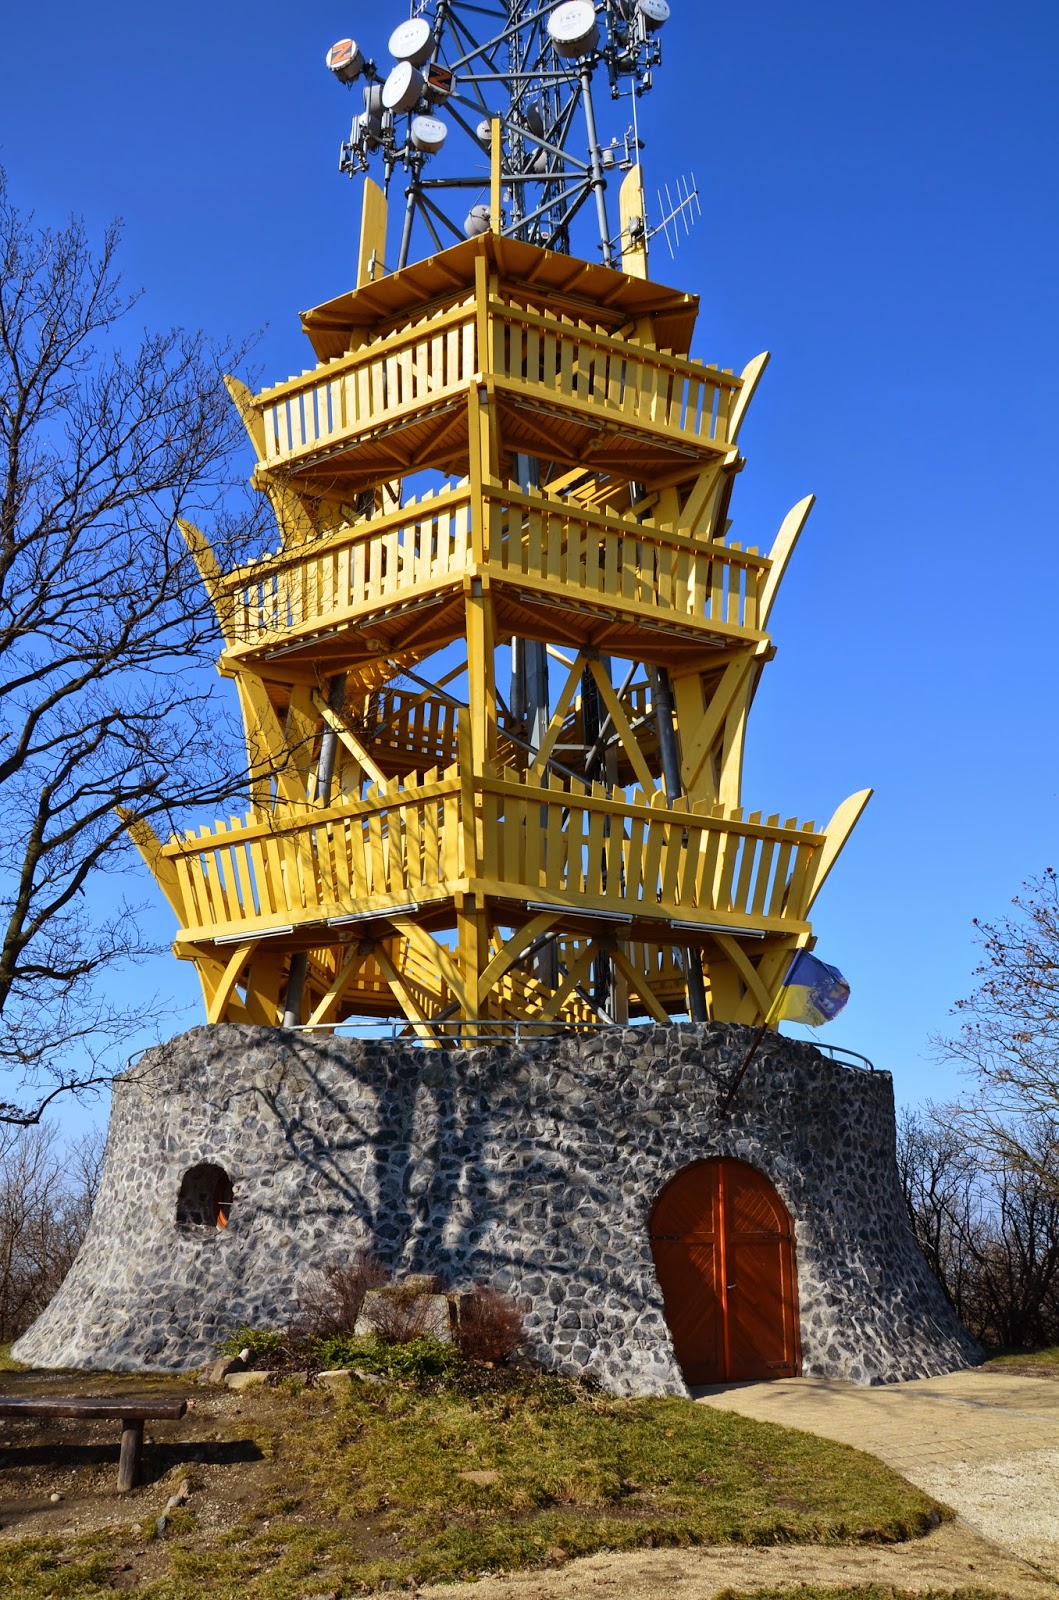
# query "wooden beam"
(340, 726)
(638, 982)
(747, 971)
(573, 977)
(622, 727)
(836, 833)
(371, 258)
(510, 952)
(229, 978)
(751, 376)
(353, 960)
(162, 868)
(780, 555)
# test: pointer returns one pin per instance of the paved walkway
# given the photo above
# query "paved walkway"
(985, 1443)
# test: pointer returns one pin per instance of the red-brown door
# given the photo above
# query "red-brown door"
(724, 1253)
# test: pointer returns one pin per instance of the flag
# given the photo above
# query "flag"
(812, 992)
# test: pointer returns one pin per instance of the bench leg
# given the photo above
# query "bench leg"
(131, 1454)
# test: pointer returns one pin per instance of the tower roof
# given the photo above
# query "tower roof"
(567, 282)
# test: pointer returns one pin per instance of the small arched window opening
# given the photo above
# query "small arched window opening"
(205, 1198)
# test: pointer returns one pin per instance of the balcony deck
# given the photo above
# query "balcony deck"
(542, 558)
(563, 389)
(587, 853)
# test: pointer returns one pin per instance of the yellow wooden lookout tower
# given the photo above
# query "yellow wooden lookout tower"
(501, 662)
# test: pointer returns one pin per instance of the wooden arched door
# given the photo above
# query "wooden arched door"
(723, 1247)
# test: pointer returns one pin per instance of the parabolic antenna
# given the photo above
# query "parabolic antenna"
(428, 133)
(412, 41)
(573, 29)
(654, 13)
(345, 60)
(403, 89)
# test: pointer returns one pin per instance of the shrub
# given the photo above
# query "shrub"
(418, 1360)
(331, 1302)
(403, 1312)
(490, 1327)
(267, 1346)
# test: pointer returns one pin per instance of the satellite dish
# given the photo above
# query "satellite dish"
(539, 164)
(654, 13)
(345, 60)
(484, 132)
(413, 41)
(403, 89)
(533, 119)
(573, 29)
(373, 99)
(428, 134)
(476, 222)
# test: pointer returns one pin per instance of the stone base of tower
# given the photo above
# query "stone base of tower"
(533, 1168)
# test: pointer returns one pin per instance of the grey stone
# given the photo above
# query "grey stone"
(532, 1168)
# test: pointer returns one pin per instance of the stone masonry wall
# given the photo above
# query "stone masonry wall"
(533, 1168)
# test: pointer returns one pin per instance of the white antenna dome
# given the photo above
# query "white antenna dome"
(654, 13)
(413, 41)
(476, 222)
(373, 99)
(403, 88)
(573, 29)
(345, 60)
(428, 134)
(484, 132)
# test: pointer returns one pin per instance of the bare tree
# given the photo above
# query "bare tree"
(46, 1198)
(941, 1179)
(109, 439)
(1009, 1038)
(989, 1229)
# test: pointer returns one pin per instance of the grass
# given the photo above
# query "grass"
(376, 1489)
(7, 1360)
(1046, 1359)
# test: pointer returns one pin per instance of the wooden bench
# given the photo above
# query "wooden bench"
(130, 1411)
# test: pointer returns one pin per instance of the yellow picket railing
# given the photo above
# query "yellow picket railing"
(551, 546)
(565, 550)
(552, 359)
(575, 846)
(578, 365)
(422, 364)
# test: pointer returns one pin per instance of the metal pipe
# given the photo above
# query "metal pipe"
(325, 776)
(665, 724)
(599, 182)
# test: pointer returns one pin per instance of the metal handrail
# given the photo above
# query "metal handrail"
(500, 1030)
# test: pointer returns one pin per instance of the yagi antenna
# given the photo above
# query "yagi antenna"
(683, 210)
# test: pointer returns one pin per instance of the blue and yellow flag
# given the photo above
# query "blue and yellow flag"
(812, 992)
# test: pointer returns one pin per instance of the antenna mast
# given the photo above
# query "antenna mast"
(459, 64)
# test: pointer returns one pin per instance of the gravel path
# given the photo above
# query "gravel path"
(986, 1443)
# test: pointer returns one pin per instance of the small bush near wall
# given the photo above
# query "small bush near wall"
(331, 1302)
(489, 1327)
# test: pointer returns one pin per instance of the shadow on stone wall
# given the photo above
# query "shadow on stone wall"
(533, 1168)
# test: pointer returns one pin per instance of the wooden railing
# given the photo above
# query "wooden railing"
(575, 362)
(550, 358)
(555, 545)
(420, 365)
(543, 544)
(572, 845)
(406, 554)
(629, 853)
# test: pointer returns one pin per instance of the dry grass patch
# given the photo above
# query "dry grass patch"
(404, 1486)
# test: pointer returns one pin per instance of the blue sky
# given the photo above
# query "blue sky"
(878, 193)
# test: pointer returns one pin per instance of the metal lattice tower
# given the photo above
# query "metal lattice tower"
(463, 64)
(495, 678)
